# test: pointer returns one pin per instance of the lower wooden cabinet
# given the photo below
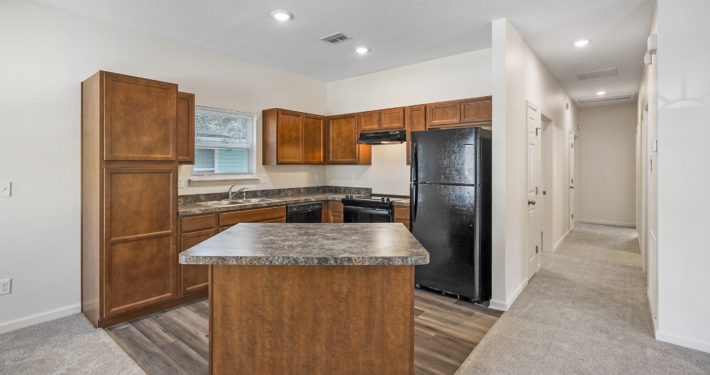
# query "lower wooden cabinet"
(335, 212)
(401, 215)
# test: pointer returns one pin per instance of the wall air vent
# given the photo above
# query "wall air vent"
(335, 38)
(609, 72)
(609, 99)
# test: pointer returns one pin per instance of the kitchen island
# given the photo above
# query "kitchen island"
(311, 298)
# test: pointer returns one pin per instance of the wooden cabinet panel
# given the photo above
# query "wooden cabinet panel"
(185, 143)
(194, 278)
(140, 236)
(478, 110)
(369, 121)
(139, 118)
(393, 118)
(200, 222)
(401, 215)
(313, 139)
(444, 113)
(289, 135)
(252, 216)
(342, 140)
(415, 119)
(335, 212)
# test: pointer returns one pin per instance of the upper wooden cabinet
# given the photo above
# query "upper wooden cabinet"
(291, 137)
(185, 145)
(342, 142)
(385, 119)
(477, 110)
(139, 118)
(415, 120)
(467, 112)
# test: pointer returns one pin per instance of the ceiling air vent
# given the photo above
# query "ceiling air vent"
(609, 72)
(612, 99)
(335, 38)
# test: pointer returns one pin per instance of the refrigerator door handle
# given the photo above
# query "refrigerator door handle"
(415, 198)
(415, 177)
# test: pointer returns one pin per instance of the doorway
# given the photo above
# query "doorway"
(571, 180)
(546, 168)
(532, 192)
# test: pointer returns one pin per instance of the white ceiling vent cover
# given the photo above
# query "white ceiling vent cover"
(607, 99)
(335, 38)
(609, 72)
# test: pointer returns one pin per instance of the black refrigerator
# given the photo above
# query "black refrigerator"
(451, 210)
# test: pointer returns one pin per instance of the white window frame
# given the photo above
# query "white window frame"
(252, 147)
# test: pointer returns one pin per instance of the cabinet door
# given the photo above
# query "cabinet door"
(313, 139)
(139, 252)
(336, 212)
(289, 133)
(415, 117)
(185, 146)
(369, 121)
(194, 278)
(393, 118)
(342, 140)
(478, 110)
(139, 118)
(443, 114)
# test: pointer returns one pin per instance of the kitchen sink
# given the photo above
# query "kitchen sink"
(236, 202)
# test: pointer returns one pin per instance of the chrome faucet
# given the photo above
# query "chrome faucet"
(242, 190)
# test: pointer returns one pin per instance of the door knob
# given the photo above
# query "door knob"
(571, 187)
(532, 203)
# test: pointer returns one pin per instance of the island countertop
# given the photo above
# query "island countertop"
(310, 244)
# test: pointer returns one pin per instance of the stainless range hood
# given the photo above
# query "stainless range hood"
(383, 137)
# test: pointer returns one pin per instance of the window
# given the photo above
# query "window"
(224, 142)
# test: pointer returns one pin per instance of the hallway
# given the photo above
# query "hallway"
(585, 312)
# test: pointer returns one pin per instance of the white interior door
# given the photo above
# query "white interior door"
(572, 192)
(532, 190)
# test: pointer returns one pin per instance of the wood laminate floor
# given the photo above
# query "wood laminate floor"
(175, 341)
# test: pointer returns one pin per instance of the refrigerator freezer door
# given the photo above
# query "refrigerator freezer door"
(445, 224)
(445, 156)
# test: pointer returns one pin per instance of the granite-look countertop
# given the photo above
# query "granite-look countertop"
(310, 244)
(199, 208)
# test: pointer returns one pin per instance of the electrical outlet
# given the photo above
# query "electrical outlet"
(5, 189)
(5, 286)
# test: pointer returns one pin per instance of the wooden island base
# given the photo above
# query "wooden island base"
(294, 319)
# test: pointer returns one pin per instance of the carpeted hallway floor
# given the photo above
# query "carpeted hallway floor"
(585, 312)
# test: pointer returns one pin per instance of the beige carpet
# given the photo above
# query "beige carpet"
(64, 346)
(585, 312)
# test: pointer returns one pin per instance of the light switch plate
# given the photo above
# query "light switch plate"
(5, 188)
(5, 286)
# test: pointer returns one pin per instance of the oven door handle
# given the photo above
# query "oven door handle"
(366, 210)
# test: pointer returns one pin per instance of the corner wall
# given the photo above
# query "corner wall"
(454, 77)
(46, 54)
(518, 77)
(683, 178)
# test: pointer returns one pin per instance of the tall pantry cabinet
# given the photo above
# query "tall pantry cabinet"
(130, 154)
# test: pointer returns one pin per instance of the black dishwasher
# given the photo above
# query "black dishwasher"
(304, 212)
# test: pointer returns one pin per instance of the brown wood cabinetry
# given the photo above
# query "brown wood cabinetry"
(130, 136)
(342, 142)
(415, 120)
(185, 143)
(291, 137)
(455, 113)
(258, 215)
(193, 230)
(335, 212)
(401, 215)
(477, 110)
(385, 119)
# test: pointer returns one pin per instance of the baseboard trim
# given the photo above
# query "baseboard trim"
(688, 342)
(505, 305)
(558, 243)
(605, 222)
(39, 318)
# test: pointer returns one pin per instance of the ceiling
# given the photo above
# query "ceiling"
(399, 32)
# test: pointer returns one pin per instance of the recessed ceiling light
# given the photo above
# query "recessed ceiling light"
(362, 50)
(281, 15)
(601, 92)
(581, 43)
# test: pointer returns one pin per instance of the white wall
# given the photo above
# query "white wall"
(647, 177)
(606, 180)
(683, 178)
(455, 77)
(46, 54)
(518, 77)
